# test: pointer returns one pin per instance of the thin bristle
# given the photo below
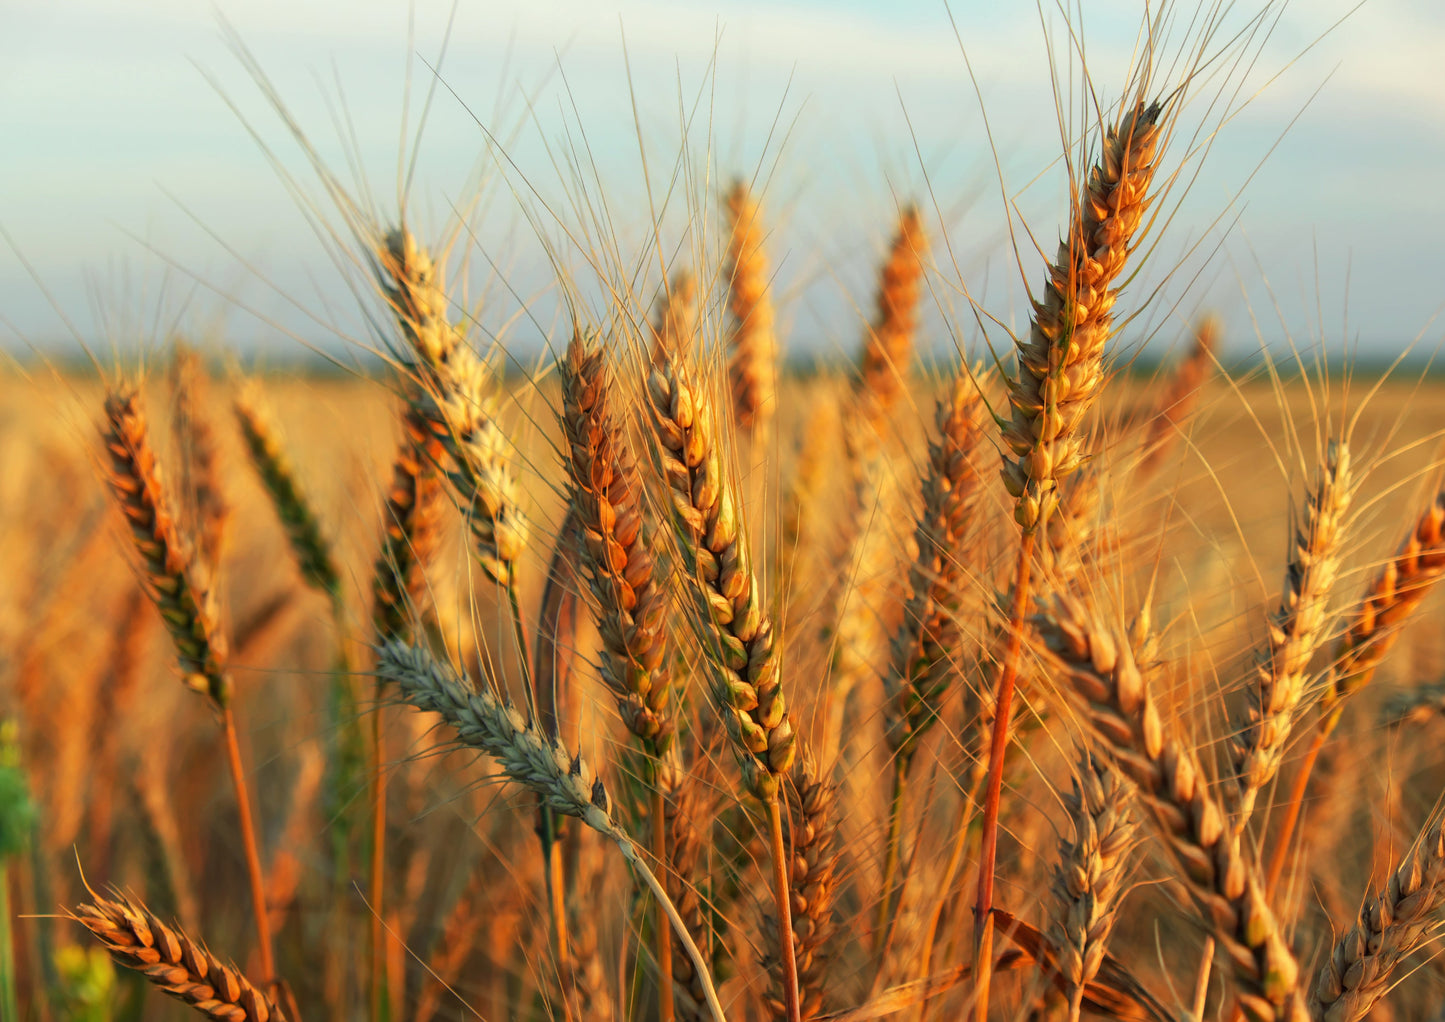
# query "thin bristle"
(753, 364)
(167, 570)
(174, 962)
(267, 447)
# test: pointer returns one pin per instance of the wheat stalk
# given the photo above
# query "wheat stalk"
(455, 395)
(1058, 378)
(174, 962)
(566, 784)
(888, 346)
(742, 661)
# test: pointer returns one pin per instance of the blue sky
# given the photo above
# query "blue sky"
(125, 176)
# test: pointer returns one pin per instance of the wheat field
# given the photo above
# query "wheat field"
(656, 679)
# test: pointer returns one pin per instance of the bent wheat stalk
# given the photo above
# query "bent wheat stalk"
(565, 783)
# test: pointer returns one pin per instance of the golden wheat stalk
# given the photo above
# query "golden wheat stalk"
(174, 962)
(630, 600)
(168, 573)
(1059, 375)
(566, 784)
(811, 835)
(456, 396)
(1374, 626)
(411, 531)
(742, 661)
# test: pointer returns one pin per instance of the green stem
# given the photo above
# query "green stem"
(890, 859)
(8, 1000)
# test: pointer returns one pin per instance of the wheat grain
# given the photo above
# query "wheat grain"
(174, 962)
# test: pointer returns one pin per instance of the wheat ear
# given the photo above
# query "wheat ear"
(168, 573)
(753, 364)
(674, 324)
(1088, 878)
(1059, 375)
(811, 834)
(922, 666)
(565, 783)
(742, 657)
(1295, 628)
(267, 447)
(410, 531)
(456, 396)
(1098, 665)
(172, 961)
(607, 492)
(630, 603)
(1373, 627)
(201, 487)
(1181, 394)
(1391, 924)
(888, 346)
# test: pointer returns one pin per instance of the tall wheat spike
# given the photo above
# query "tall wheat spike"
(753, 364)
(168, 572)
(456, 396)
